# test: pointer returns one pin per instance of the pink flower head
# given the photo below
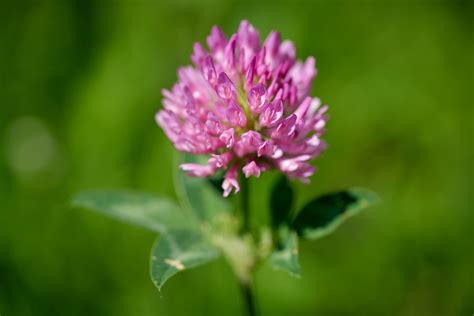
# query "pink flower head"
(246, 106)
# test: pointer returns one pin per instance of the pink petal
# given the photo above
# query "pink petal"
(251, 169)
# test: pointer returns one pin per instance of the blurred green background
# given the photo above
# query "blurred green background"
(80, 82)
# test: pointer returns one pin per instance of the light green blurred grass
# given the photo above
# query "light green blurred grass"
(397, 75)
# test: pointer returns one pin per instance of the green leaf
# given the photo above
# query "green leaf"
(176, 251)
(324, 214)
(281, 202)
(286, 258)
(199, 194)
(140, 209)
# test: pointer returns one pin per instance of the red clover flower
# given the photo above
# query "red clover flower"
(247, 107)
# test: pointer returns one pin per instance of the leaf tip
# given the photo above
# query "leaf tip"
(158, 285)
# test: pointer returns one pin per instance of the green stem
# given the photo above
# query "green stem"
(247, 295)
(244, 203)
(246, 285)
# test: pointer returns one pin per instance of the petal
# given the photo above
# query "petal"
(252, 139)
(209, 71)
(257, 98)
(225, 88)
(250, 73)
(249, 142)
(230, 182)
(286, 129)
(271, 114)
(248, 36)
(198, 54)
(216, 40)
(251, 169)
(230, 54)
(236, 115)
(272, 44)
(303, 109)
(220, 161)
(197, 170)
(213, 126)
(227, 137)
(266, 149)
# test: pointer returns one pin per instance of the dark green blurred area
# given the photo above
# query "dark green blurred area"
(80, 82)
